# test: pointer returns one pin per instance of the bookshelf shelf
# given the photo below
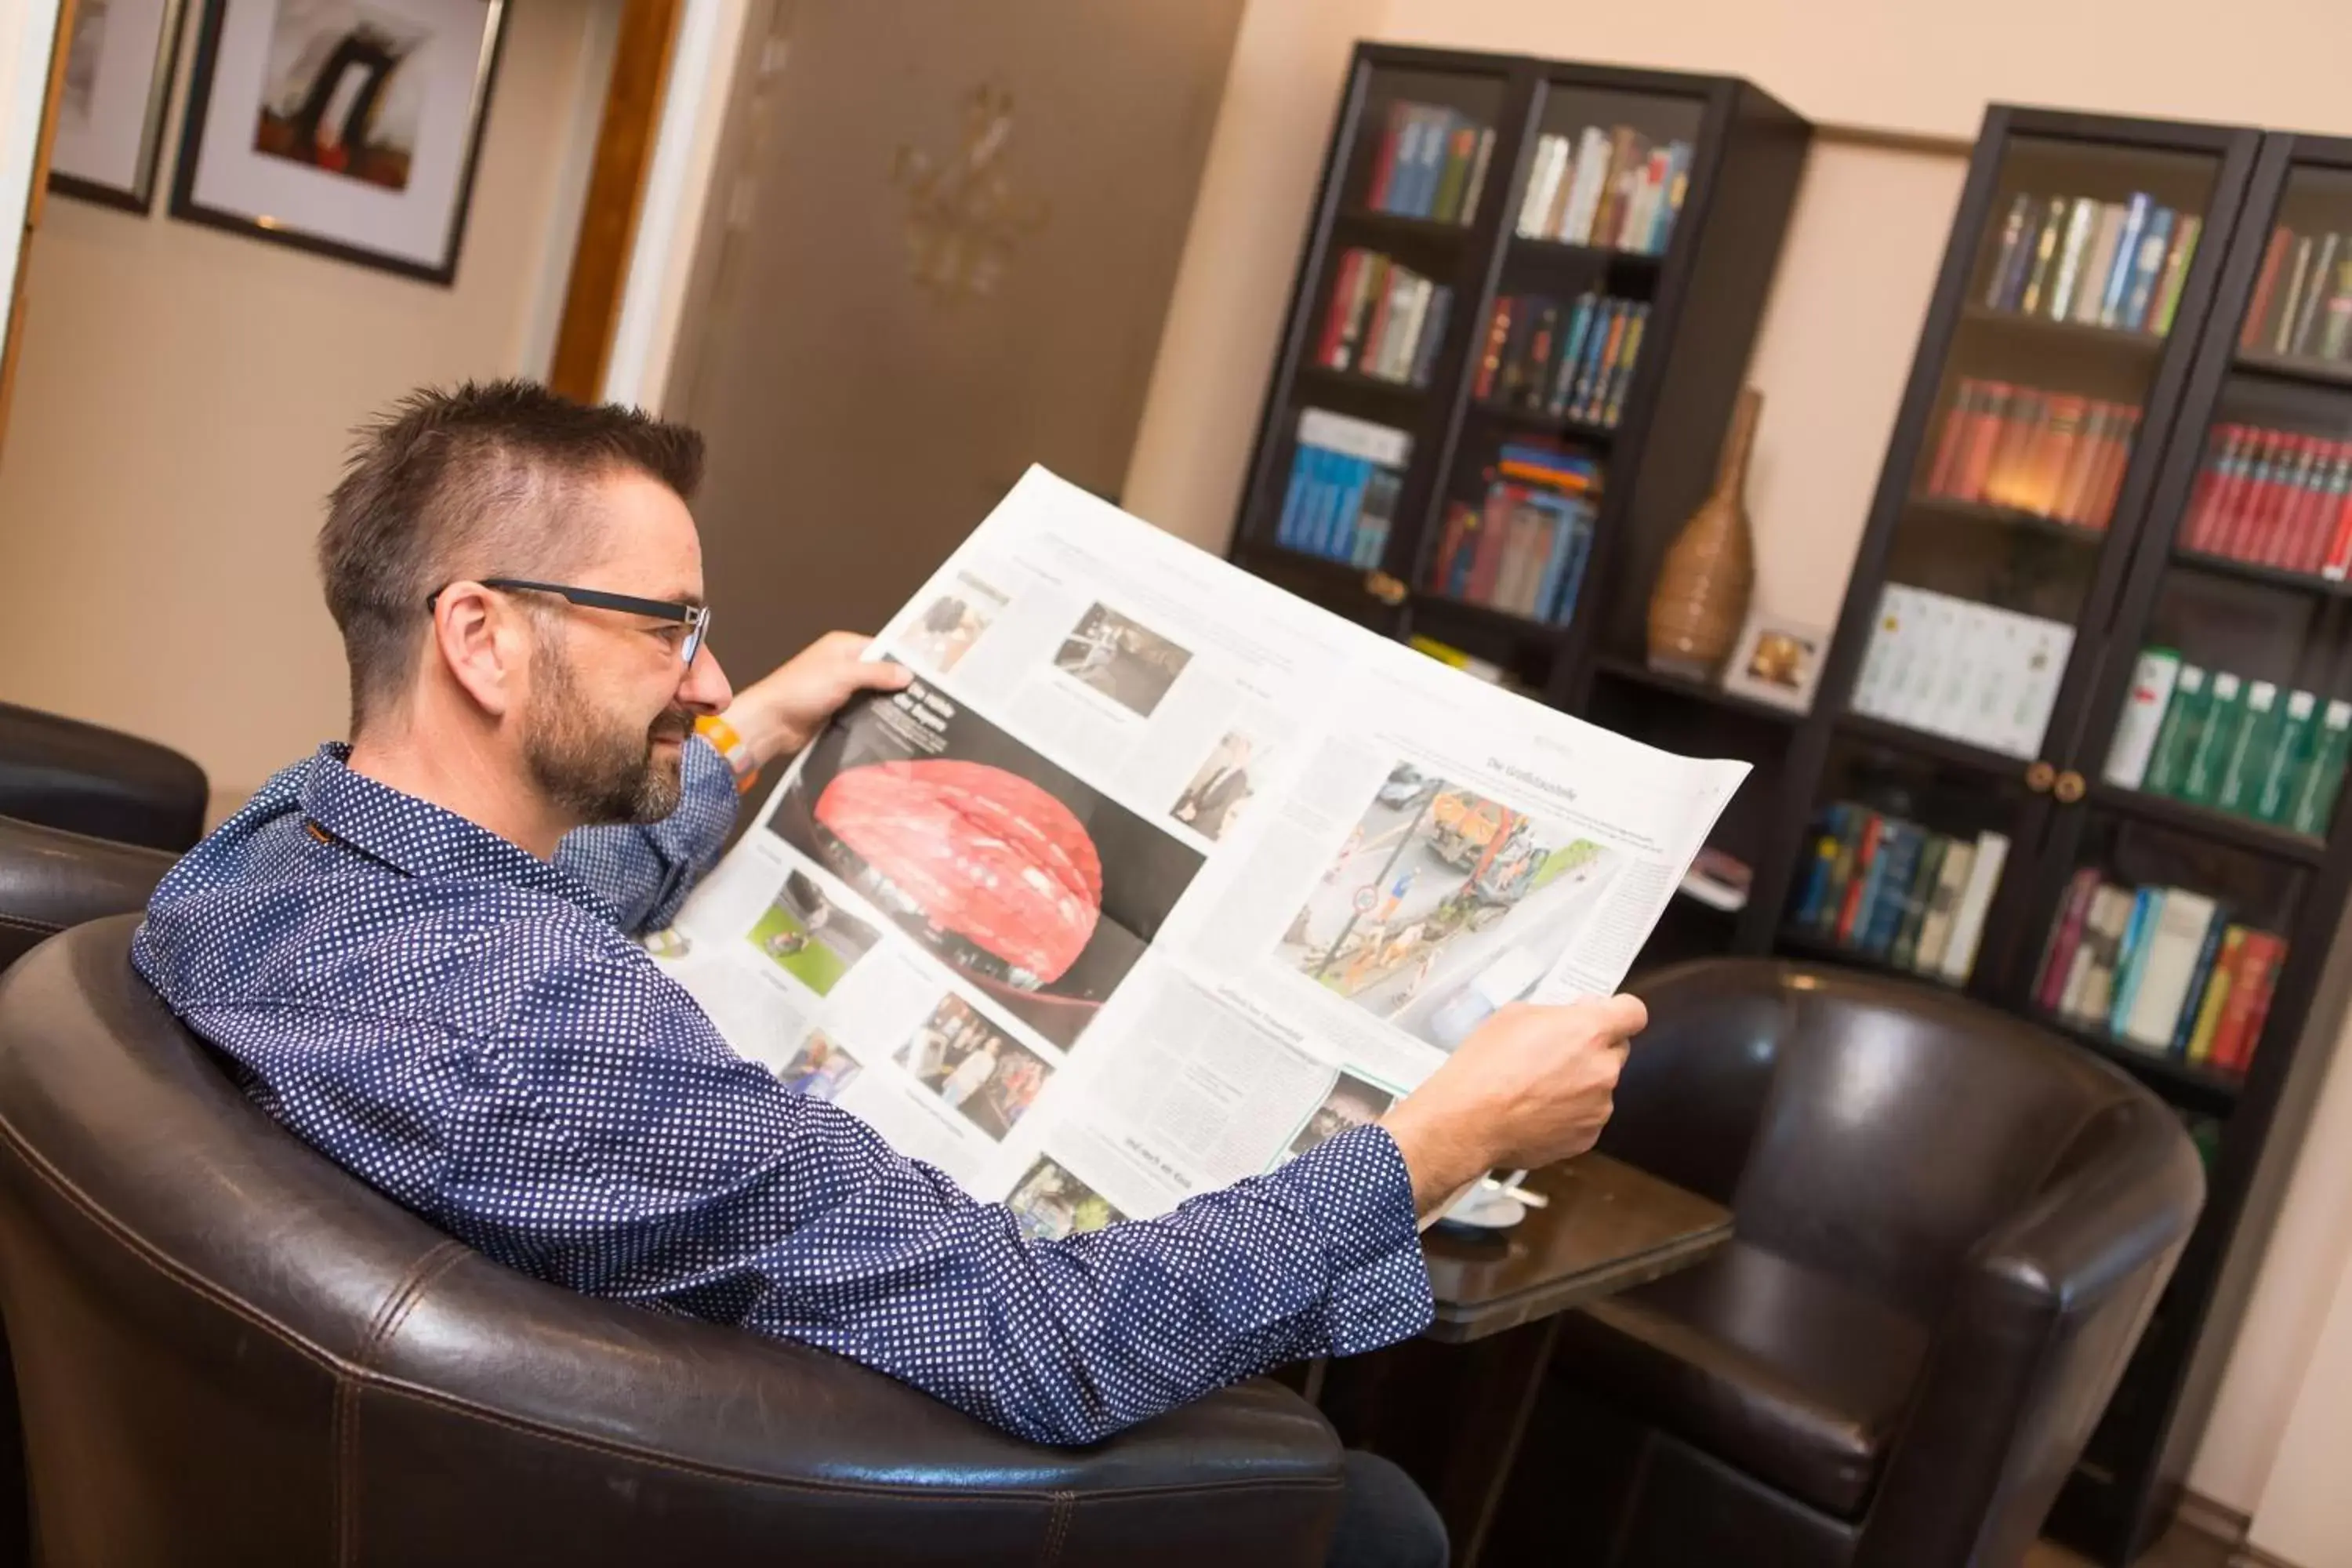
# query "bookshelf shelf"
(2253, 571)
(1323, 375)
(1486, 617)
(1546, 424)
(1795, 938)
(2206, 1091)
(1927, 743)
(2075, 334)
(1988, 513)
(2203, 822)
(1369, 224)
(1333, 583)
(1635, 673)
(1630, 262)
(2332, 374)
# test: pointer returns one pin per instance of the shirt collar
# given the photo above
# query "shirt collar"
(424, 840)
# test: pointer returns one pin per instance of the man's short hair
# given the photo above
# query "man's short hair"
(482, 481)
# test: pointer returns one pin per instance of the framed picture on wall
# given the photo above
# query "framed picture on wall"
(110, 101)
(346, 127)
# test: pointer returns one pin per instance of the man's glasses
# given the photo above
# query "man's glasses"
(695, 618)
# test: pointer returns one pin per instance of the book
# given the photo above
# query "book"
(2201, 979)
(2182, 730)
(2215, 996)
(2176, 273)
(2314, 798)
(2250, 752)
(2291, 753)
(2058, 953)
(1959, 956)
(2200, 778)
(2178, 921)
(1344, 477)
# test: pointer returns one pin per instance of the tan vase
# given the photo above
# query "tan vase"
(1701, 599)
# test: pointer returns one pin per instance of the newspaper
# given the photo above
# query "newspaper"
(1157, 875)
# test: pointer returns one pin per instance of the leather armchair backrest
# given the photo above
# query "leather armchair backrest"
(223, 1338)
(51, 879)
(1901, 1124)
(61, 773)
(1692, 1093)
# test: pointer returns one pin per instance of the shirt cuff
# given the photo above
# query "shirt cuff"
(1361, 1195)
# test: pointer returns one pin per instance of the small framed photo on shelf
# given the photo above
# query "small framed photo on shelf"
(350, 128)
(110, 101)
(1777, 661)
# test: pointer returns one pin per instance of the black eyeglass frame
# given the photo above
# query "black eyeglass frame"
(695, 618)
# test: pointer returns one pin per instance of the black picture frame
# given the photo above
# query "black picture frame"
(186, 207)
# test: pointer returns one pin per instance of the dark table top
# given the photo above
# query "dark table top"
(1609, 1227)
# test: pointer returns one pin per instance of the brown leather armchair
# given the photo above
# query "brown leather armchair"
(1951, 1227)
(83, 778)
(228, 1350)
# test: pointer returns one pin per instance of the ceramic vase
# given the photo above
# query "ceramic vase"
(1701, 597)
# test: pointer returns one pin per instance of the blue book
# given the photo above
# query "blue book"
(1323, 497)
(1580, 324)
(2141, 290)
(2148, 906)
(1357, 473)
(1874, 882)
(1293, 497)
(2111, 293)
(1433, 334)
(2200, 976)
(1829, 825)
(1661, 222)
(1429, 157)
(1559, 529)
(1562, 608)
(1898, 863)
(1588, 373)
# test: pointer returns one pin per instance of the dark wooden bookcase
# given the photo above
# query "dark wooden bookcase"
(1705, 294)
(2133, 584)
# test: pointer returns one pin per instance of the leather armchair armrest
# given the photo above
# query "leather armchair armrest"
(50, 879)
(2036, 1336)
(85, 778)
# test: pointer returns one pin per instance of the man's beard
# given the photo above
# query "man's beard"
(601, 772)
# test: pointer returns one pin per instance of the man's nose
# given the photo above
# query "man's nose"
(705, 687)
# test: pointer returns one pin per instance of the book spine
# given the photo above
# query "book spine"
(2250, 757)
(2200, 981)
(2314, 798)
(2111, 293)
(1477, 186)
(2266, 284)
(2176, 274)
(2040, 278)
(1865, 856)
(2143, 717)
(2200, 778)
(1898, 863)
(1376, 195)
(1916, 899)
(2065, 937)
(2215, 1001)
(1814, 886)
(2130, 958)
(1976, 900)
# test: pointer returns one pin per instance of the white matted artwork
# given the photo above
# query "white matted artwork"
(347, 127)
(1777, 661)
(111, 99)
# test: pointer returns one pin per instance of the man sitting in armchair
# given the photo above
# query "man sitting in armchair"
(417, 950)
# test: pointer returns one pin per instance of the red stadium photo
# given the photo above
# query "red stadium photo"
(1005, 866)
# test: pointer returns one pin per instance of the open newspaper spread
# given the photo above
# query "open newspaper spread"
(1157, 875)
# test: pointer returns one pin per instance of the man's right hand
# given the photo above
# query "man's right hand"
(1530, 1086)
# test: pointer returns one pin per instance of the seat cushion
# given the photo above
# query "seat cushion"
(1787, 1374)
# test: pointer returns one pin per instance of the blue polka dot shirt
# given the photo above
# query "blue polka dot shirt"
(473, 1031)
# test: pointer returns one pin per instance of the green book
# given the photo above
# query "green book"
(1915, 899)
(2177, 737)
(2314, 800)
(2201, 779)
(2289, 757)
(2249, 757)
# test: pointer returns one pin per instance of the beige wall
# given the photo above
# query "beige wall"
(183, 402)
(1835, 347)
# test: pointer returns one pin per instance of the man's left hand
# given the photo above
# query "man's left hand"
(781, 712)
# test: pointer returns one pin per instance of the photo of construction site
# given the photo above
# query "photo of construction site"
(1442, 902)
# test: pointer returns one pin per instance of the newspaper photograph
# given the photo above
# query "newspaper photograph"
(1155, 877)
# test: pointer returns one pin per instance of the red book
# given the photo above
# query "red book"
(2028, 412)
(1865, 851)
(1502, 503)
(2066, 936)
(2073, 504)
(2338, 560)
(1984, 434)
(2269, 545)
(2245, 500)
(2310, 520)
(1384, 165)
(2250, 334)
(1498, 335)
(2249, 1002)
(2228, 441)
(1327, 348)
(2110, 483)
(1940, 473)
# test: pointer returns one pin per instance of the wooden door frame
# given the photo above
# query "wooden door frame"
(12, 342)
(627, 135)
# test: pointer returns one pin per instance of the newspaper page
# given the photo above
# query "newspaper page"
(1157, 875)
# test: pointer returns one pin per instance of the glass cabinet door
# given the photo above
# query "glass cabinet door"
(1555, 354)
(1341, 492)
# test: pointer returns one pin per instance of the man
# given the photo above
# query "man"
(1222, 786)
(415, 952)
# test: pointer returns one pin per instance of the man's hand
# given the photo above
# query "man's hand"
(781, 713)
(1530, 1086)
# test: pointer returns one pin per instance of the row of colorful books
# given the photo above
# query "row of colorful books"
(1971, 671)
(1897, 892)
(2104, 264)
(2215, 739)
(1612, 188)
(2051, 454)
(1344, 477)
(1385, 320)
(1523, 550)
(1431, 163)
(2274, 497)
(1571, 361)
(2162, 969)
(2303, 298)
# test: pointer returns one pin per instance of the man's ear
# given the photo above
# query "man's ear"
(484, 644)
